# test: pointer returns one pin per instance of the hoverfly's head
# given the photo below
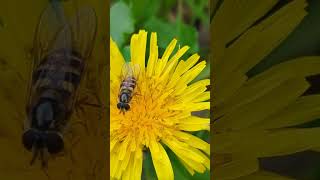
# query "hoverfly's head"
(123, 106)
(35, 141)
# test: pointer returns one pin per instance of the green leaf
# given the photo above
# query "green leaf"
(188, 35)
(148, 171)
(204, 74)
(203, 176)
(199, 10)
(143, 9)
(181, 173)
(121, 23)
(126, 53)
(185, 34)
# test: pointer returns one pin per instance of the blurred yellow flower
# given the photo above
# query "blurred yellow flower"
(251, 114)
(160, 112)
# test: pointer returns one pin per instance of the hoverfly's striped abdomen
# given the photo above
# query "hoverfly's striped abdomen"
(128, 85)
(126, 91)
(60, 71)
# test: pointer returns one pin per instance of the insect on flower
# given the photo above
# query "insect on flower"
(61, 51)
(129, 78)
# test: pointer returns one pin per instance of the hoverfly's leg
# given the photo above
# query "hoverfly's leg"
(45, 171)
(93, 174)
(88, 99)
(85, 101)
(43, 157)
(135, 94)
(73, 143)
(90, 94)
(79, 110)
(35, 152)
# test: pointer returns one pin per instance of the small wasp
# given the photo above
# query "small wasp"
(61, 50)
(130, 74)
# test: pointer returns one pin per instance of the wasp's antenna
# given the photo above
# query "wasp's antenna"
(35, 152)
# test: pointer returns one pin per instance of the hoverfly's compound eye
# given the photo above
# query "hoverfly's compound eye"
(119, 105)
(54, 142)
(29, 138)
(126, 107)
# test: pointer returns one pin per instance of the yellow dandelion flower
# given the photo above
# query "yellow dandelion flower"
(160, 112)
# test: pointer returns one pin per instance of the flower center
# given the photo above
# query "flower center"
(148, 117)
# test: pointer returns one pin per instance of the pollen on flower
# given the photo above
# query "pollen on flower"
(149, 118)
(160, 111)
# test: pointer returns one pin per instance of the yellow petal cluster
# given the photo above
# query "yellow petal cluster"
(160, 114)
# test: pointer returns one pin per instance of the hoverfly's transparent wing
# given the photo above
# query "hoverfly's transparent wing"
(130, 70)
(84, 28)
(51, 33)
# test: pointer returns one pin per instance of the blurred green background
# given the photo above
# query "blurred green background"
(185, 20)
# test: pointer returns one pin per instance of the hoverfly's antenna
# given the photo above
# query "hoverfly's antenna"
(35, 152)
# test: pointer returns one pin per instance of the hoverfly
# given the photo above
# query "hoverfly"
(61, 51)
(129, 78)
